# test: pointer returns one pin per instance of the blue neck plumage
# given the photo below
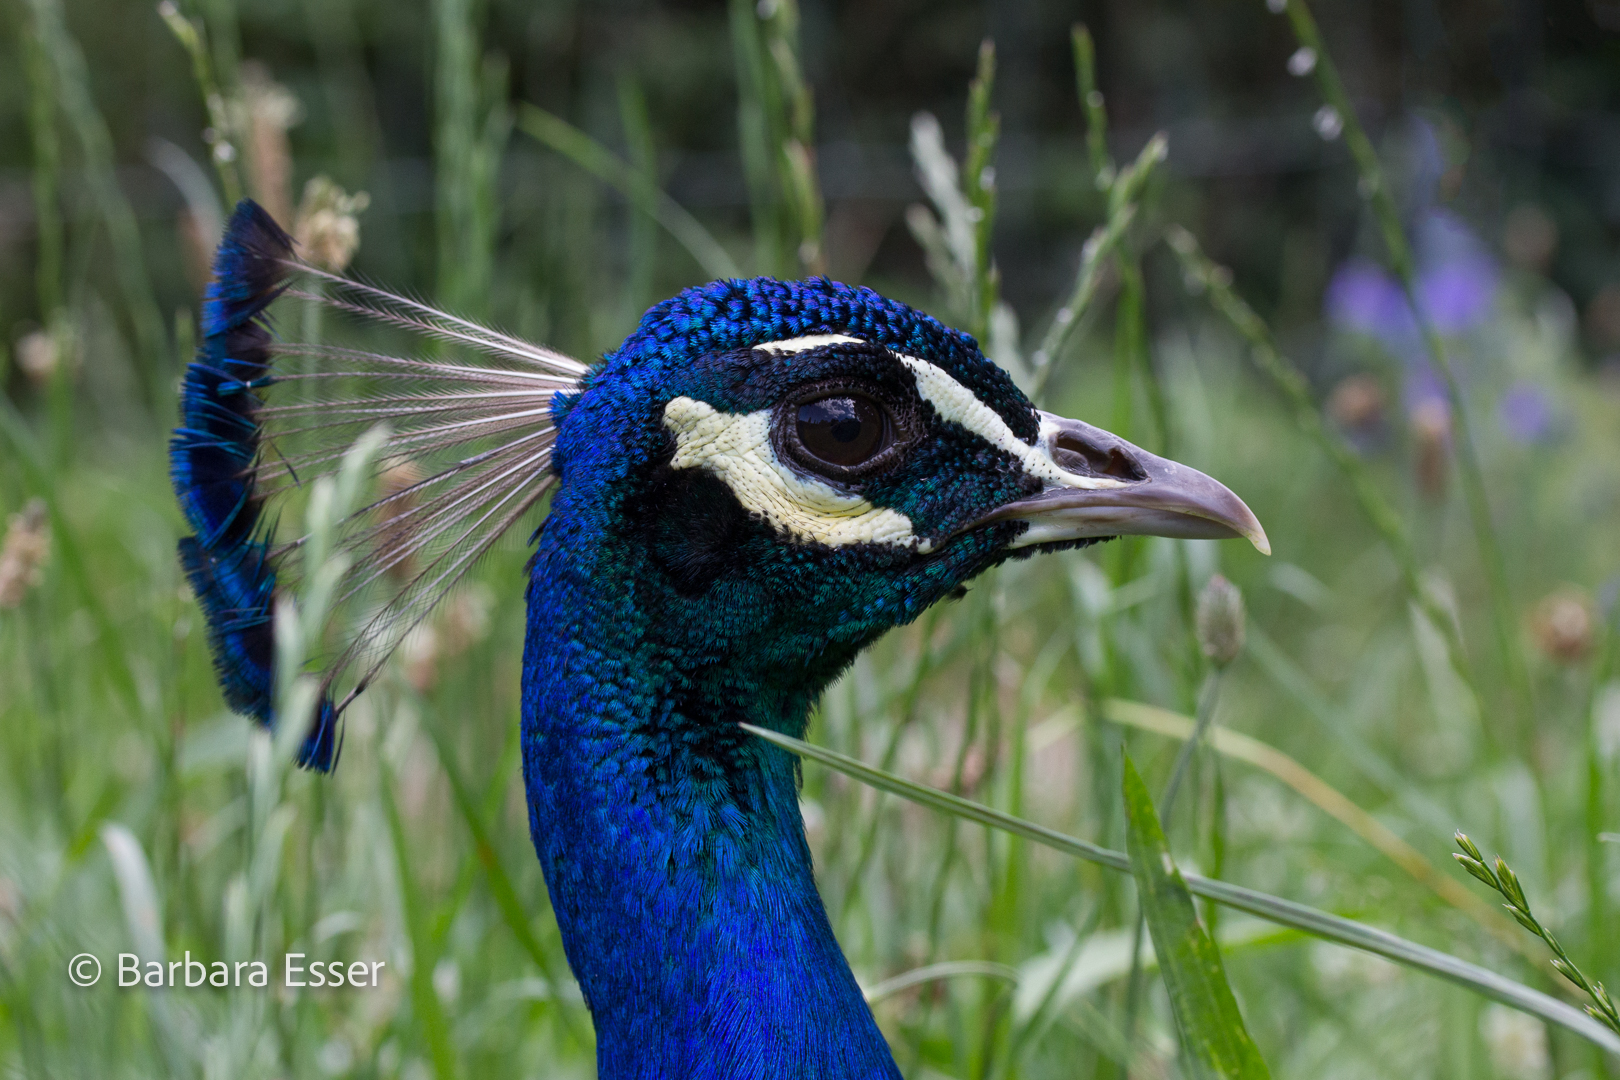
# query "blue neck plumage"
(671, 841)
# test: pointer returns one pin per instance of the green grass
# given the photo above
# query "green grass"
(136, 812)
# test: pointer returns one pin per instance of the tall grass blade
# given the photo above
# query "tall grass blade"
(950, 969)
(1075, 967)
(471, 126)
(223, 139)
(1099, 247)
(641, 189)
(47, 172)
(430, 1017)
(955, 235)
(500, 886)
(775, 131)
(979, 186)
(643, 245)
(1091, 102)
(136, 890)
(755, 136)
(1212, 1029)
(927, 661)
(1263, 905)
(143, 914)
(795, 160)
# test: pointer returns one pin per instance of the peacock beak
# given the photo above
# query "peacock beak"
(1105, 486)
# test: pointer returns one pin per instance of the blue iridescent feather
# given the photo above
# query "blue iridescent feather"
(212, 463)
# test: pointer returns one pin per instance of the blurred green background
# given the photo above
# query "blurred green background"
(555, 168)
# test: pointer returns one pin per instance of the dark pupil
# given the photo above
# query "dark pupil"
(841, 430)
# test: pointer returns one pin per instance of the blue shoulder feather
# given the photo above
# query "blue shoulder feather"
(212, 461)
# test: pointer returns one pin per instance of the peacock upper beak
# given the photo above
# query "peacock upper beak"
(1105, 486)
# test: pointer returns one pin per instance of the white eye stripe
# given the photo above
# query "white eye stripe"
(957, 403)
(808, 342)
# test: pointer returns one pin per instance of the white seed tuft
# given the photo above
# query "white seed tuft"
(327, 227)
(1328, 123)
(1517, 1043)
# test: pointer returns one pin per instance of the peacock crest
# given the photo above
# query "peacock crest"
(467, 453)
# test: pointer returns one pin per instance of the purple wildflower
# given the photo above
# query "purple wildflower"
(1457, 277)
(1456, 287)
(1525, 413)
(1363, 297)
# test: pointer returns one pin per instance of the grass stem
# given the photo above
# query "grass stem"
(1377, 192)
(1505, 882)
(1091, 103)
(1325, 797)
(1290, 382)
(1123, 196)
(46, 178)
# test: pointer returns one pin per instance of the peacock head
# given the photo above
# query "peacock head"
(763, 478)
(796, 467)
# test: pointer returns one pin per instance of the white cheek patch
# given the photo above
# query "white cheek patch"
(957, 403)
(737, 448)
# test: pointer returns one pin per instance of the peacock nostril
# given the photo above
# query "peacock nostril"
(1079, 455)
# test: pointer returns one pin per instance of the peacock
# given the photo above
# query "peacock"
(758, 483)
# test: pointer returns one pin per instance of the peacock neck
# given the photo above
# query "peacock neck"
(672, 843)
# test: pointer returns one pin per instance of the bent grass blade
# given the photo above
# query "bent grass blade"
(1324, 797)
(1263, 905)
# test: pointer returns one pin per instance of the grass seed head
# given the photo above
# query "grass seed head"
(1431, 446)
(1357, 403)
(327, 227)
(38, 355)
(22, 556)
(271, 109)
(1220, 621)
(1564, 626)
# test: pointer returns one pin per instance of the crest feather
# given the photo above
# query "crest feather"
(467, 456)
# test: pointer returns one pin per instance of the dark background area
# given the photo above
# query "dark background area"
(1523, 94)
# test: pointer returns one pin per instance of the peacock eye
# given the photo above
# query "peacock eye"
(840, 432)
(844, 430)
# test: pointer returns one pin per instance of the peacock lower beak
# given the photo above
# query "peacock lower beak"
(1105, 486)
